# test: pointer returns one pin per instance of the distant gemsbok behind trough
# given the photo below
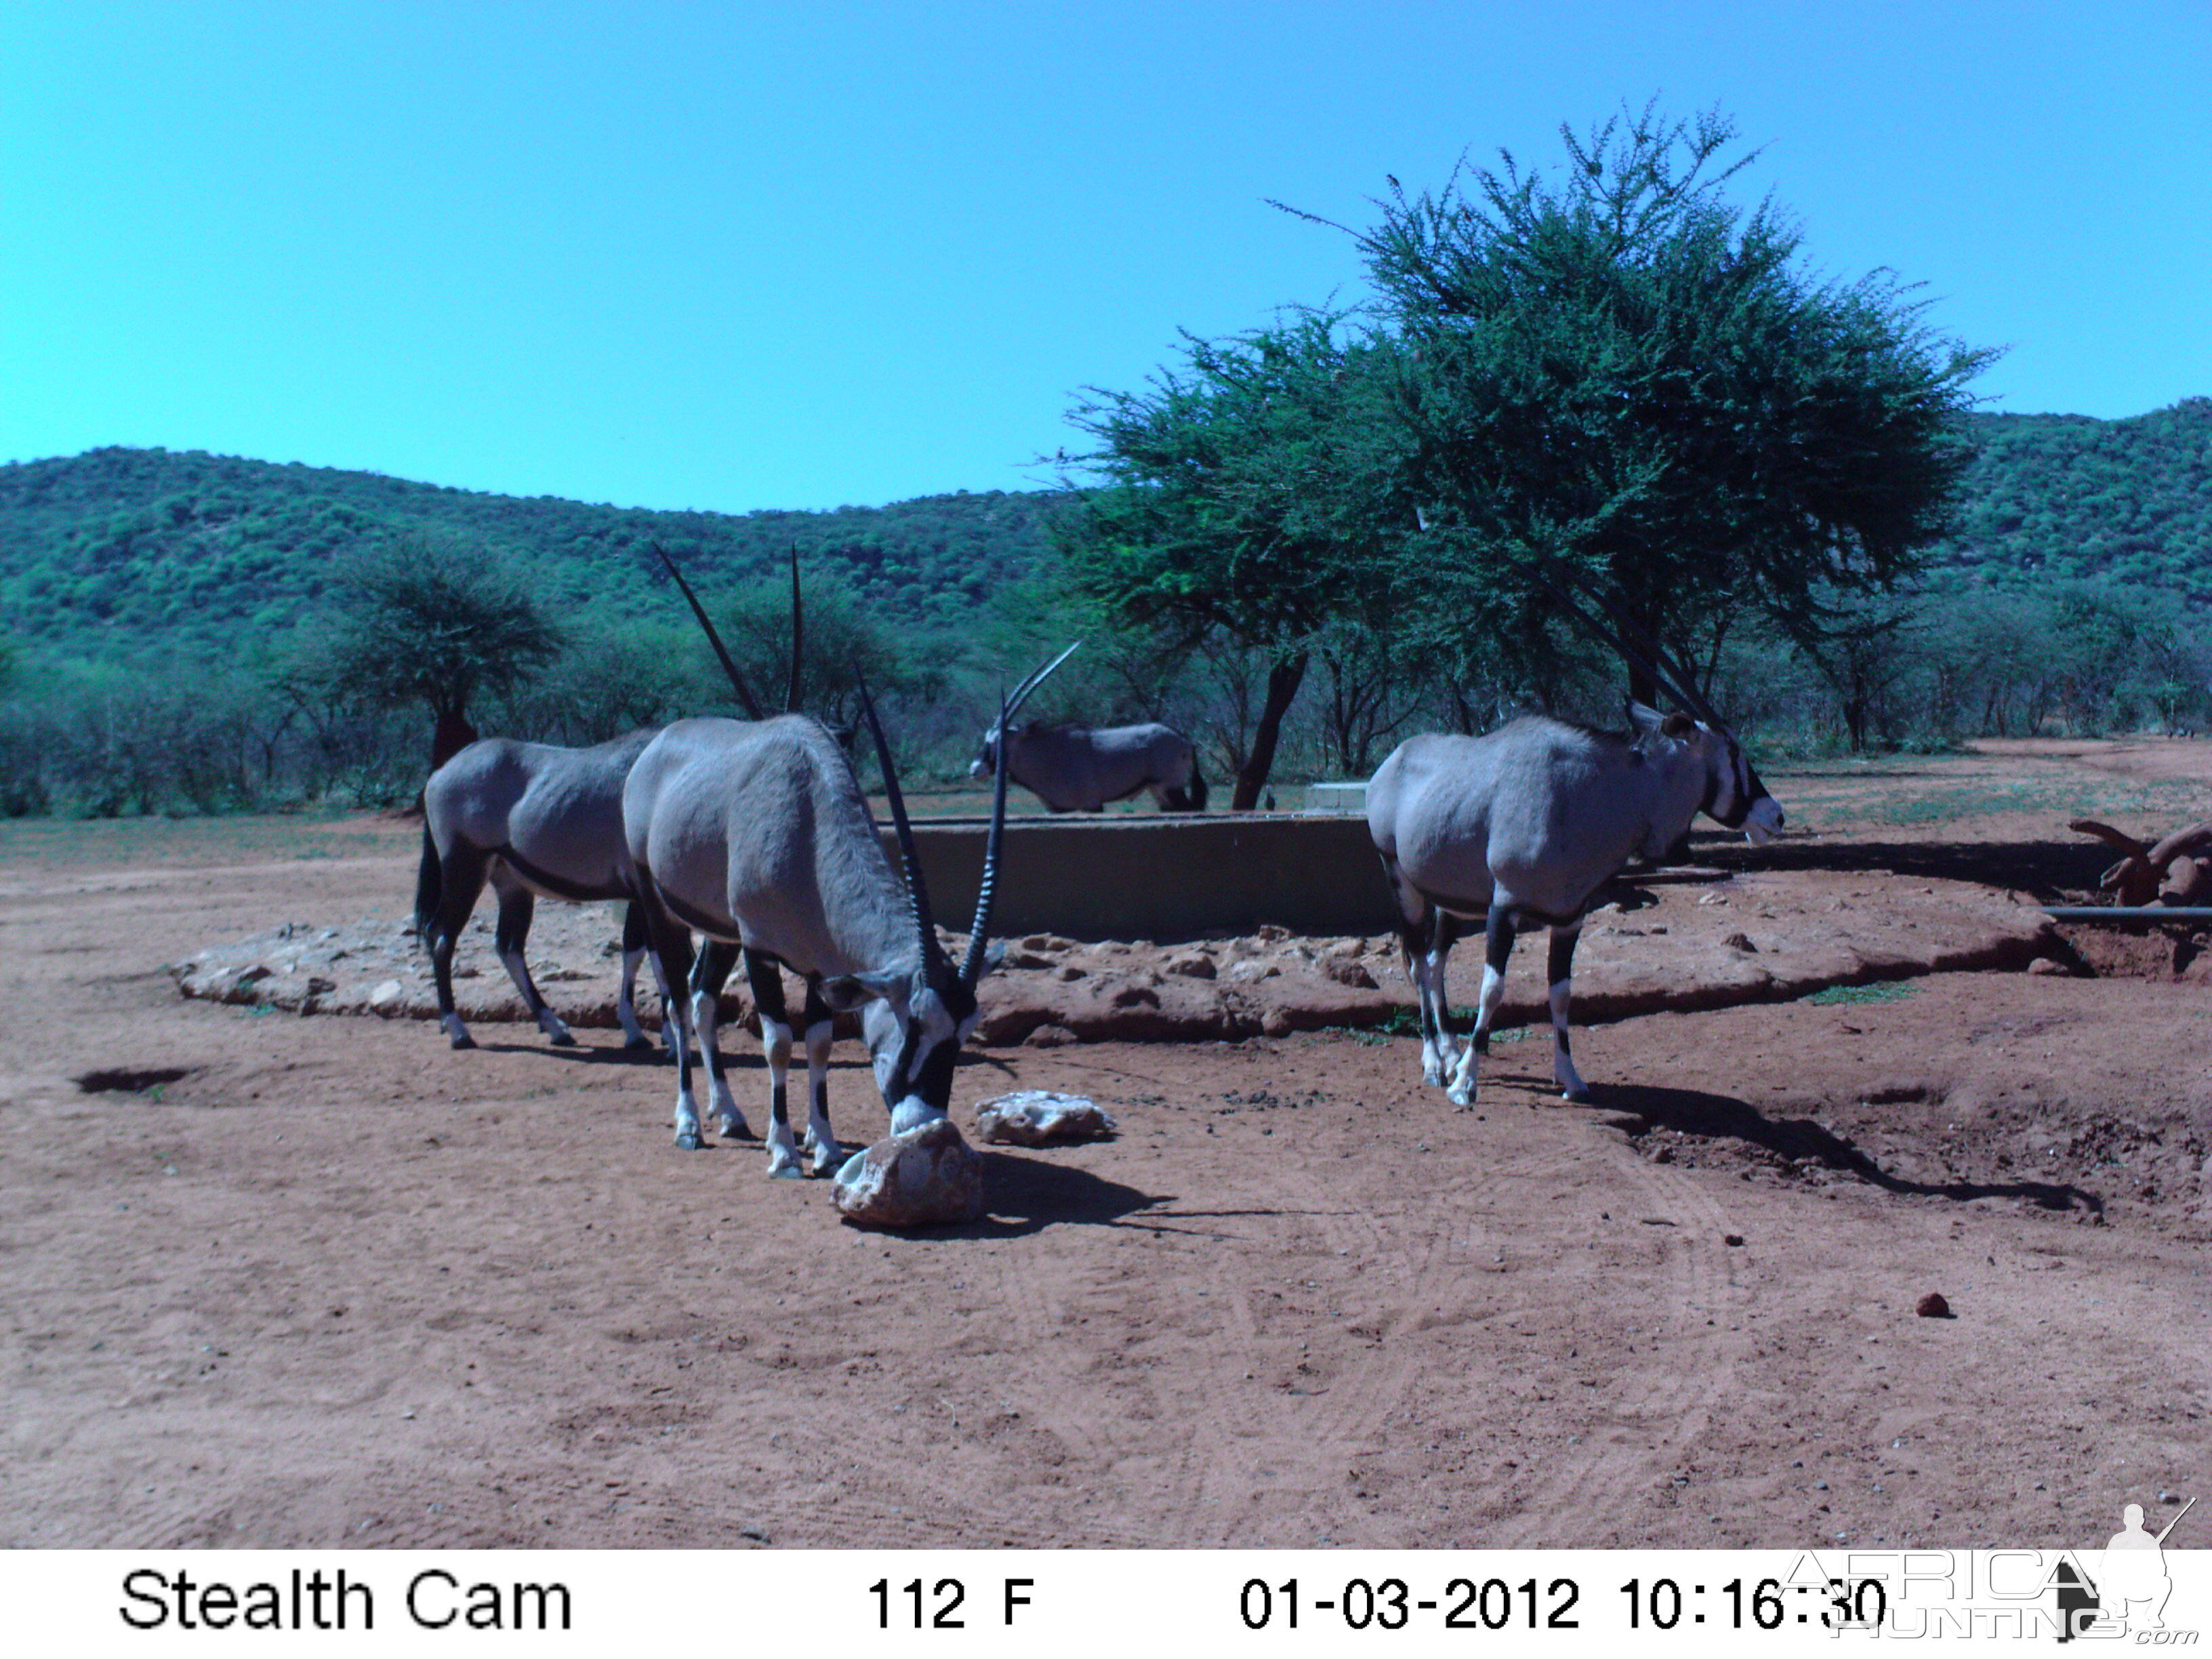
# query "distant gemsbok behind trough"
(1526, 825)
(758, 835)
(536, 819)
(1080, 769)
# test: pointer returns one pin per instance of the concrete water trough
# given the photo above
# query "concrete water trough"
(1165, 877)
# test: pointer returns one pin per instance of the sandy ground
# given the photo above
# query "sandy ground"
(267, 1280)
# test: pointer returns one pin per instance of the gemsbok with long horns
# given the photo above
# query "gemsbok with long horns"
(537, 819)
(758, 835)
(1080, 769)
(1525, 825)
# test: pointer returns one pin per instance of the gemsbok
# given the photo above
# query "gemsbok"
(1525, 825)
(758, 835)
(1079, 769)
(531, 818)
(537, 819)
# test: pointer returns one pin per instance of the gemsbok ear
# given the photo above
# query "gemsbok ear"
(1641, 718)
(847, 991)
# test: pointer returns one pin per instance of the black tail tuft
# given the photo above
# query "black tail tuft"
(428, 885)
(1197, 785)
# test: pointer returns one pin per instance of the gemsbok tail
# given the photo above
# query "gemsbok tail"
(428, 883)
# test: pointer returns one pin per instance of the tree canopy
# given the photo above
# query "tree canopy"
(1625, 370)
(1251, 492)
(430, 620)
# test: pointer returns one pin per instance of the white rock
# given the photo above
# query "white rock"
(1038, 1117)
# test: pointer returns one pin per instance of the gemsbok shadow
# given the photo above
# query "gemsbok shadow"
(1718, 1117)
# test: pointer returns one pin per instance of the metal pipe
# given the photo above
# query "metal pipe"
(2129, 912)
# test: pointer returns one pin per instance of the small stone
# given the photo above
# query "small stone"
(927, 1177)
(386, 995)
(1740, 942)
(1028, 958)
(1068, 973)
(1345, 970)
(1933, 1306)
(1245, 973)
(1049, 1037)
(1269, 933)
(1040, 1117)
(1136, 996)
(1191, 964)
(1734, 1240)
(2047, 966)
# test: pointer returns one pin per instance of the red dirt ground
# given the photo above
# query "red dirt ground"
(275, 1280)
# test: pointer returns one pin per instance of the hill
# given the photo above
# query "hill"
(2063, 496)
(118, 550)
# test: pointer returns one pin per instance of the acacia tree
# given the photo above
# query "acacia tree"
(1625, 371)
(428, 621)
(1247, 495)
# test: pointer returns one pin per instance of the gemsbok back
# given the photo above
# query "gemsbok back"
(1524, 825)
(758, 835)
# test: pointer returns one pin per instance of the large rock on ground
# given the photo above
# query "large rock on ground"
(925, 1177)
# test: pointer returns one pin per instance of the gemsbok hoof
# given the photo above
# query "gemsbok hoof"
(637, 1042)
(1579, 1096)
(563, 1040)
(465, 1040)
(687, 1140)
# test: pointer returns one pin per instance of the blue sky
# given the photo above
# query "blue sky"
(737, 257)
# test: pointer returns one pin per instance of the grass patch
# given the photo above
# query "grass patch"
(1888, 990)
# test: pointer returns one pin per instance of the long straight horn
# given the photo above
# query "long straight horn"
(917, 893)
(745, 698)
(798, 636)
(979, 932)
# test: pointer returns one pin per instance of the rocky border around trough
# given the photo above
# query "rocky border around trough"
(1763, 937)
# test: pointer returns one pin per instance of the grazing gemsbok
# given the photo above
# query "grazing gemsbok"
(1524, 825)
(1079, 769)
(758, 835)
(535, 818)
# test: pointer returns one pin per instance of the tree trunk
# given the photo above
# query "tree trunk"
(1283, 681)
(452, 734)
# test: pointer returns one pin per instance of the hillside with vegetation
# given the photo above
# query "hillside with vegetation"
(106, 554)
(2063, 497)
(119, 551)
(171, 624)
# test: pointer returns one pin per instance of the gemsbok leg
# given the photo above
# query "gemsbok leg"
(766, 982)
(671, 948)
(708, 975)
(1497, 947)
(1571, 1087)
(517, 905)
(634, 948)
(461, 882)
(821, 1145)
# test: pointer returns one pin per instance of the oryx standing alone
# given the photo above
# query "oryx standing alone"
(1079, 769)
(531, 818)
(758, 835)
(1523, 826)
